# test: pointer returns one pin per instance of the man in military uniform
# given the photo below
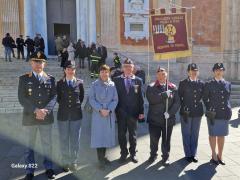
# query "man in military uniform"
(129, 109)
(190, 91)
(158, 93)
(37, 95)
(95, 60)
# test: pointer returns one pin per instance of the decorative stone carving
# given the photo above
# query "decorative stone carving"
(136, 19)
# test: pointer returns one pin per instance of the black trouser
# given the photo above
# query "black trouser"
(101, 152)
(13, 52)
(29, 53)
(129, 124)
(81, 62)
(20, 51)
(94, 69)
(155, 133)
(89, 63)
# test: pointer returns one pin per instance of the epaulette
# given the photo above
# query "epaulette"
(29, 74)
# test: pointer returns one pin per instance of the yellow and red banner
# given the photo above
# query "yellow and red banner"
(170, 36)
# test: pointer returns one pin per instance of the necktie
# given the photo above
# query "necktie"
(38, 77)
(128, 84)
(70, 83)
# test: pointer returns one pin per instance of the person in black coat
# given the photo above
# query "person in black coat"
(29, 43)
(129, 109)
(70, 94)
(81, 53)
(20, 46)
(8, 42)
(64, 57)
(216, 97)
(37, 95)
(190, 91)
(158, 93)
(102, 50)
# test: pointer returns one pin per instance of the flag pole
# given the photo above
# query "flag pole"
(168, 67)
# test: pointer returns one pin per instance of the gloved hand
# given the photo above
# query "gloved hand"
(166, 115)
(166, 94)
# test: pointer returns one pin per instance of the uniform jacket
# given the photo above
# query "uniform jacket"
(190, 94)
(33, 94)
(216, 95)
(157, 104)
(70, 100)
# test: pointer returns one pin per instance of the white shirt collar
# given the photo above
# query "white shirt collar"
(219, 79)
(40, 74)
(131, 77)
(192, 80)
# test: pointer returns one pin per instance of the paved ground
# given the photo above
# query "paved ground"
(12, 149)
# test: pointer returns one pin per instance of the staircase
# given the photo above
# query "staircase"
(235, 95)
(9, 76)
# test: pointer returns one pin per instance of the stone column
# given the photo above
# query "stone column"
(81, 13)
(28, 18)
(92, 21)
(40, 20)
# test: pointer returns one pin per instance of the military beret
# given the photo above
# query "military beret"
(70, 64)
(218, 66)
(192, 67)
(128, 61)
(38, 56)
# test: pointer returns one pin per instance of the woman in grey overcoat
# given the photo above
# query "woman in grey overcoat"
(103, 99)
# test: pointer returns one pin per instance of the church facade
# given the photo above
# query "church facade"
(123, 25)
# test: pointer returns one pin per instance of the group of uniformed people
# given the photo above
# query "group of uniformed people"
(121, 98)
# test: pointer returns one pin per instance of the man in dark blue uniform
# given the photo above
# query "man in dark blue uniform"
(129, 109)
(158, 93)
(37, 95)
(190, 91)
(216, 97)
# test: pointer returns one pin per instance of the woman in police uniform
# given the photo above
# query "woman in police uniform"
(70, 94)
(190, 92)
(218, 111)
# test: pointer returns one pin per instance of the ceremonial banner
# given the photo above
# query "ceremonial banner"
(170, 37)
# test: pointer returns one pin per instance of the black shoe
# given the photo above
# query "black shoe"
(50, 174)
(214, 161)
(151, 159)
(189, 159)
(194, 159)
(73, 167)
(123, 159)
(29, 176)
(134, 159)
(221, 161)
(65, 168)
(165, 162)
(106, 161)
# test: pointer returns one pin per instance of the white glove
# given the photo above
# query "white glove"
(168, 92)
(166, 115)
